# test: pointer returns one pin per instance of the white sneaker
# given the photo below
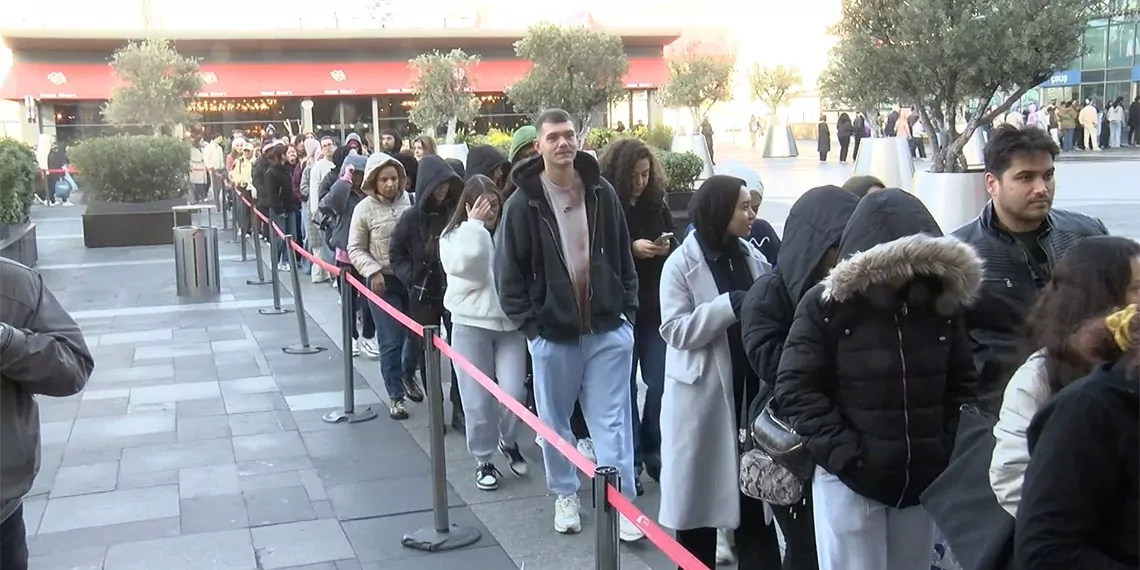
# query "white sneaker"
(628, 532)
(566, 517)
(586, 447)
(356, 347)
(67, 203)
(538, 440)
(369, 348)
(283, 266)
(723, 548)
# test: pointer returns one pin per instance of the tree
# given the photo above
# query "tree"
(444, 94)
(941, 55)
(698, 81)
(156, 83)
(573, 68)
(773, 85)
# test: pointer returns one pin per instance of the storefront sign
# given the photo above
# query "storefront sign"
(1063, 78)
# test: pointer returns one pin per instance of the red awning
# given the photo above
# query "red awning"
(96, 81)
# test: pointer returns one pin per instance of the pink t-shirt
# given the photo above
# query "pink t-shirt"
(569, 205)
(342, 256)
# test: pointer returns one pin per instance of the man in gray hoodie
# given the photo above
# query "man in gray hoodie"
(42, 352)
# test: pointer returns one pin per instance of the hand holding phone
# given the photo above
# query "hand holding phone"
(664, 240)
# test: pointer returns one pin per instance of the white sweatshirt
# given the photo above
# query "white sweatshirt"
(467, 254)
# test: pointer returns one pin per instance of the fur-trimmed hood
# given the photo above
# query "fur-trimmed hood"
(895, 264)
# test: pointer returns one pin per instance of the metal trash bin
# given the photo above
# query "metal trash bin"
(197, 269)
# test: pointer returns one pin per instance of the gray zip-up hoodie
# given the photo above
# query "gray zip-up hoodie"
(42, 352)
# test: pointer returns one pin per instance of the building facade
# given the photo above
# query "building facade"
(1109, 68)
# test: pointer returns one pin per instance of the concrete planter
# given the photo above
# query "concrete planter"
(456, 151)
(18, 243)
(118, 224)
(954, 199)
(888, 159)
(780, 142)
(696, 145)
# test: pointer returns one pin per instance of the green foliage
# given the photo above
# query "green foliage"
(681, 170)
(940, 54)
(698, 81)
(773, 85)
(157, 81)
(133, 168)
(658, 136)
(444, 93)
(600, 137)
(18, 171)
(574, 68)
(494, 137)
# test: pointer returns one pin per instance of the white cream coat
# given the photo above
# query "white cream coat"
(1026, 392)
(699, 460)
(466, 254)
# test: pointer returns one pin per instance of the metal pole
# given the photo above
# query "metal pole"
(221, 192)
(347, 318)
(441, 536)
(255, 235)
(606, 555)
(276, 281)
(299, 307)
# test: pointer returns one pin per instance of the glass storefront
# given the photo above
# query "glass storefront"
(1109, 69)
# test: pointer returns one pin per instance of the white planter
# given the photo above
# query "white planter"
(696, 145)
(954, 199)
(886, 158)
(975, 150)
(458, 151)
(780, 142)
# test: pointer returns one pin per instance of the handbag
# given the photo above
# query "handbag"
(762, 476)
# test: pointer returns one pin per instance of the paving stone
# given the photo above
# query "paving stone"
(178, 456)
(106, 394)
(213, 513)
(361, 439)
(297, 544)
(246, 403)
(253, 385)
(152, 408)
(200, 408)
(240, 370)
(138, 337)
(171, 351)
(176, 393)
(140, 479)
(115, 507)
(268, 446)
(237, 345)
(109, 428)
(378, 539)
(186, 335)
(102, 408)
(344, 469)
(52, 433)
(276, 506)
(136, 373)
(271, 481)
(321, 566)
(86, 456)
(208, 427)
(323, 510)
(387, 497)
(33, 513)
(278, 465)
(228, 550)
(225, 332)
(261, 422)
(313, 486)
(206, 481)
(81, 480)
(53, 411)
(223, 359)
(488, 558)
(43, 544)
(82, 559)
(330, 400)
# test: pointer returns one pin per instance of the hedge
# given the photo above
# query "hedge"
(133, 168)
(18, 172)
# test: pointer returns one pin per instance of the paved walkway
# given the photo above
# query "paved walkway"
(198, 443)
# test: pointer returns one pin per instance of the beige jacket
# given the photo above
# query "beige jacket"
(1088, 115)
(1026, 392)
(373, 221)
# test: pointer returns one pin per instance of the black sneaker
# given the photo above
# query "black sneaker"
(487, 477)
(396, 409)
(515, 461)
(412, 388)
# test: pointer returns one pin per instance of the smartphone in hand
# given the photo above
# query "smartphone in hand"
(665, 239)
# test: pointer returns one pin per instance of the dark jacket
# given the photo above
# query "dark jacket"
(814, 225)
(486, 160)
(1134, 115)
(338, 157)
(648, 219)
(844, 129)
(257, 178)
(414, 249)
(1080, 506)
(823, 137)
(1009, 288)
(397, 146)
(457, 167)
(764, 237)
(340, 201)
(877, 363)
(278, 180)
(533, 282)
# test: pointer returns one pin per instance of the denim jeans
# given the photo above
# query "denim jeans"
(14, 542)
(287, 222)
(1069, 139)
(649, 353)
(1114, 130)
(392, 338)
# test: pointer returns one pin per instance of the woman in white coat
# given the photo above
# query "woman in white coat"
(708, 379)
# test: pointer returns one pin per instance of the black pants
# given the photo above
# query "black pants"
(360, 304)
(578, 423)
(823, 155)
(757, 547)
(14, 542)
(855, 151)
(798, 526)
(844, 144)
(428, 314)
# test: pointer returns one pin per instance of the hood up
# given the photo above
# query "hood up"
(525, 174)
(399, 144)
(814, 225)
(353, 138)
(353, 161)
(890, 241)
(372, 169)
(485, 159)
(434, 171)
(457, 166)
(523, 136)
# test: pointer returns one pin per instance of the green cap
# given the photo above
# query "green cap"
(522, 137)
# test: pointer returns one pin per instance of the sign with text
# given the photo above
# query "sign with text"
(1064, 78)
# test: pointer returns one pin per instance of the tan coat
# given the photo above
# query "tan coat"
(370, 233)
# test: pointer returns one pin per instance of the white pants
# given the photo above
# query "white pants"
(500, 355)
(856, 533)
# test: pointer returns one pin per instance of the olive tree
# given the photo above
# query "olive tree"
(444, 93)
(942, 55)
(156, 82)
(773, 85)
(574, 68)
(698, 81)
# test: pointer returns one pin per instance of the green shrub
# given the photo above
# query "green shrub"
(658, 136)
(599, 137)
(18, 170)
(133, 168)
(681, 170)
(494, 137)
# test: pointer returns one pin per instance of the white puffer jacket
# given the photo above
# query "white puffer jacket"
(466, 254)
(1026, 392)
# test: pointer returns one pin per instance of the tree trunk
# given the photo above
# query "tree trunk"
(450, 138)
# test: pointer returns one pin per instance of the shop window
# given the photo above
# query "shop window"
(1096, 40)
(1121, 44)
(251, 116)
(1121, 89)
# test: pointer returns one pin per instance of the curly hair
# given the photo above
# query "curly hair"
(617, 164)
(1095, 342)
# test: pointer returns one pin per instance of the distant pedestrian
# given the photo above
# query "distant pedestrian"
(824, 139)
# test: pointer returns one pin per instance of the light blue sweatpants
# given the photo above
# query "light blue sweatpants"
(595, 371)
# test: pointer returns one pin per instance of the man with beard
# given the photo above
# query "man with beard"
(1019, 236)
(390, 142)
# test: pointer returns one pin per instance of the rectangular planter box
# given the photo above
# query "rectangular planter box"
(115, 224)
(18, 243)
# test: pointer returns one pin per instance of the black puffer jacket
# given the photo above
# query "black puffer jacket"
(488, 161)
(414, 248)
(813, 227)
(877, 363)
(1009, 288)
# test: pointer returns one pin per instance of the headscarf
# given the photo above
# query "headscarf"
(1120, 325)
(312, 148)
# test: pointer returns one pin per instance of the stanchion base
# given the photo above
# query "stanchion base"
(302, 349)
(274, 311)
(428, 539)
(360, 415)
(257, 282)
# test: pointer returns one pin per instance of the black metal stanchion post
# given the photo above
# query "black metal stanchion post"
(276, 309)
(347, 318)
(442, 535)
(255, 235)
(298, 307)
(606, 556)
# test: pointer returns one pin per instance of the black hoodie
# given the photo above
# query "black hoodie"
(814, 226)
(877, 363)
(414, 246)
(486, 160)
(397, 146)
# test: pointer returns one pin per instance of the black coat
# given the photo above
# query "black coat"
(488, 161)
(823, 135)
(414, 246)
(1080, 505)
(260, 167)
(278, 180)
(1009, 288)
(1134, 115)
(648, 219)
(877, 363)
(814, 225)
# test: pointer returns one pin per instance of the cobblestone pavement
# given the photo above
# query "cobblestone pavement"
(198, 443)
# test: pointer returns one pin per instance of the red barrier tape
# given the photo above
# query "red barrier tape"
(655, 534)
